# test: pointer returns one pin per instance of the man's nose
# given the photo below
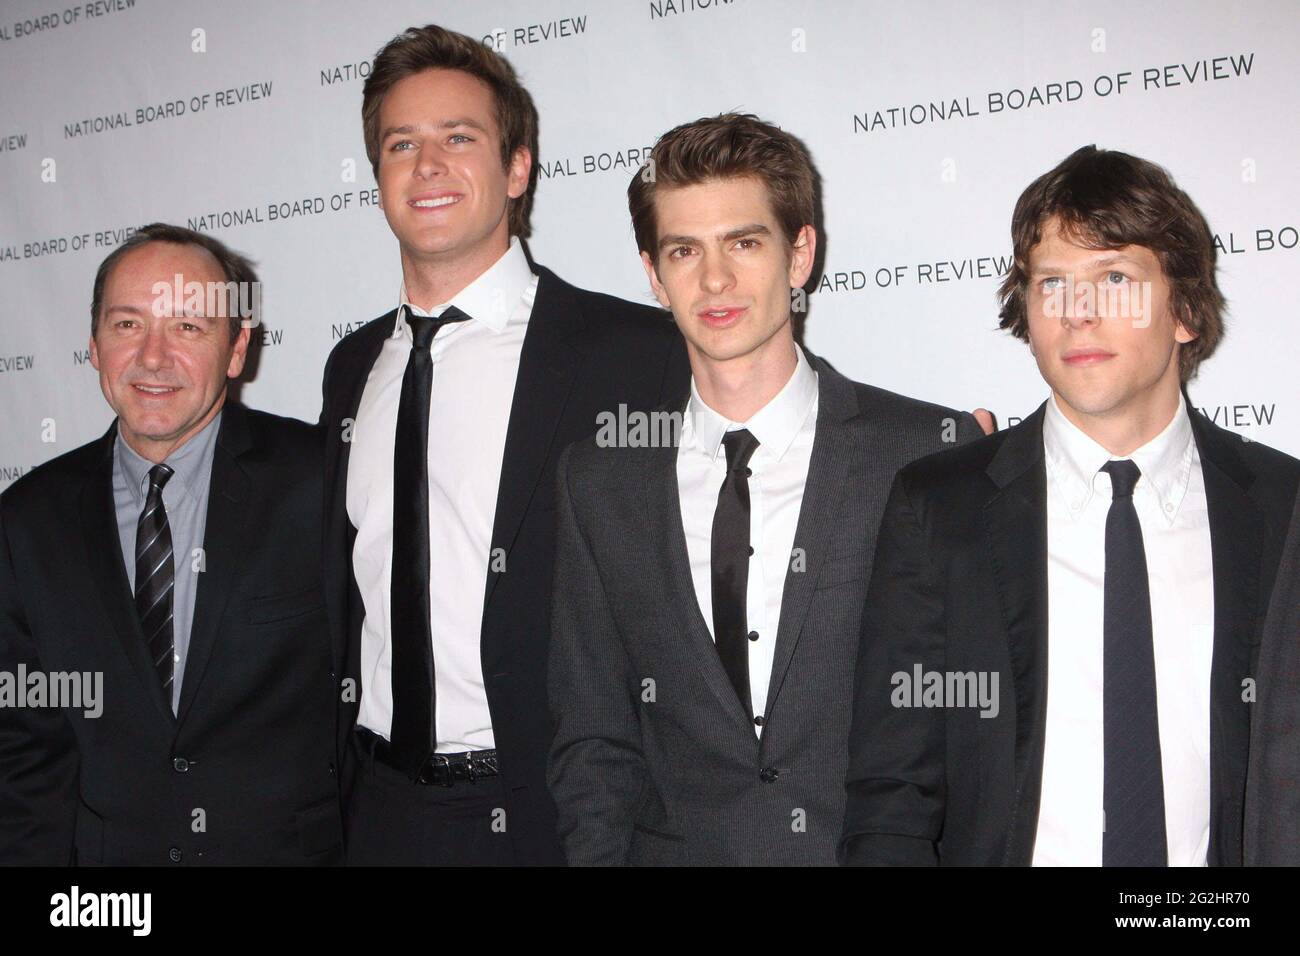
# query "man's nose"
(430, 161)
(154, 350)
(716, 275)
(1080, 310)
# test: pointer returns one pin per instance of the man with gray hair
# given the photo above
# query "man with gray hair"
(176, 561)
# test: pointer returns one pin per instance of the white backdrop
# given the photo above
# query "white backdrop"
(265, 112)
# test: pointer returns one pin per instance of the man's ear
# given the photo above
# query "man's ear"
(521, 164)
(239, 353)
(94, 353)
(655, 285)
(802, 255)
(1182, 329)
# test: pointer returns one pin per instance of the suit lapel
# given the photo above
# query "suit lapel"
(835, 446)
(108, 568)
(548, 366)
(1237, 542)
(666, 540)
(1015, 522)
(225, 539)
(348, 382)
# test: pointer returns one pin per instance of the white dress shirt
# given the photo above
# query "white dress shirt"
(785, 428)
(1171, 506)
(475, 364)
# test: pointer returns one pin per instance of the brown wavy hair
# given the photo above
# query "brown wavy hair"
(723, 147)
(1106, 199)
(434, 48)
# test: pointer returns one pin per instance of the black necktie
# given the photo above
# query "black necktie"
(730, 563)
(1133, 788)
(155, 578)
(413, 735)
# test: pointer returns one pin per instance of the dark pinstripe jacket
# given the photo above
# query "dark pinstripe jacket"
(684, 779)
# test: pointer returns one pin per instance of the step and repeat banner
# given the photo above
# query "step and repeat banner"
(925, 119)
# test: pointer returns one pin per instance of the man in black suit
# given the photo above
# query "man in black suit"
(708, 586)
(1273, 778)
(445, 418)
(1063, 622)
(167, 578)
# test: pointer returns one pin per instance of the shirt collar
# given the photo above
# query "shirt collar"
(775, 425)
(186, 462)
(490, 299)
(1075, 461)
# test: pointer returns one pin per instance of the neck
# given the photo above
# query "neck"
(157, 450)
(738, 388)
(1122, 431)
(433, 280)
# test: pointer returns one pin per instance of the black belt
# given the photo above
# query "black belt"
(440, 770)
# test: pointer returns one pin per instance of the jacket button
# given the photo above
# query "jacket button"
(769, 774)
(174, 854)
(333, 770)
(753, 635)
(180, 765)
(758, 721)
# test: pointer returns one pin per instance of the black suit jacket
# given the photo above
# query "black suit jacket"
(960, 584)
(248, 761)
(584, 353)
(1273, 779)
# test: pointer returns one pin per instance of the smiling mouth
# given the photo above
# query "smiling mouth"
(434, 203)
(156, 390)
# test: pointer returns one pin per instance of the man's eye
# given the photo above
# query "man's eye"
(1051, 282)
(461, 137)
(680, 252)
(1115, 278)
(748, 243)
(398, 146)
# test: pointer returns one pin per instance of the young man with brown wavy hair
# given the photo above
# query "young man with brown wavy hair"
(707, 591)
(1103, 566)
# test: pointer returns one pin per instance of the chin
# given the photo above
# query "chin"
(438, 243)
(1095, 404)
(721, 351)
(151, 428)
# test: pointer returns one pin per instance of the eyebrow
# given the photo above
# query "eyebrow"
(752, 229)
(1099, 262)
(136, 310)
(407, 128)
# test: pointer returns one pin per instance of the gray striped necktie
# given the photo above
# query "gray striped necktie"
(155, 578)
